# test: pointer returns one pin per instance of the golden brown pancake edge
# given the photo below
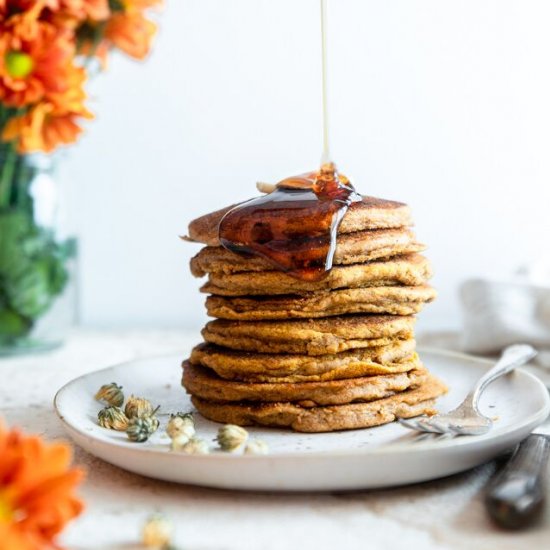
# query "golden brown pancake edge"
(406, 404)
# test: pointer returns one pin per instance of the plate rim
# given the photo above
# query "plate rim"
(395, 448)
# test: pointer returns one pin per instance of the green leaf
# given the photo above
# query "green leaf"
(29, 291)
(58, 274)
(12, 325)
(14, 227)
(33, 269)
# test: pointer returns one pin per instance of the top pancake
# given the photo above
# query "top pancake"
(370, 213)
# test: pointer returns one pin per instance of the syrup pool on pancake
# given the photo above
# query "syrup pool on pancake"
(295, 226)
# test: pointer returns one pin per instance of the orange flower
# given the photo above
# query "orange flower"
(131, 32)
(81, 10)
(30, 69)
(36, 491)
(126, 28)
(73, 97)
(89, 48)
(39, 40)
(21, 16)
(51, 123)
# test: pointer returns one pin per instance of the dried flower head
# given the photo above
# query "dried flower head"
(153, 419)
(256, 447)
(112, 418)
(111, 394)
(138, 407)
(231, 437)
(141, 428)
(178, 442)
(157, 532)
(195, 446)
(181, 425)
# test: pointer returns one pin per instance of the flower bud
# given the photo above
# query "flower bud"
(181, 424)
(138, 407)
(178, 442)
(110, 394)
(141, 428)
(231, 437)
(112, 418)
(195, 446)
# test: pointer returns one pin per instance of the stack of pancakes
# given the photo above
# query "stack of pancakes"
(333, 354)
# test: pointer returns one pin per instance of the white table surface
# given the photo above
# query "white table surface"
(443, 514)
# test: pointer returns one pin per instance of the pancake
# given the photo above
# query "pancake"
(206, 384)
(395, 300)
(263, 367)
(352, 248)
(409, 270)
(370, 213)
(405, 404)
(310, 337)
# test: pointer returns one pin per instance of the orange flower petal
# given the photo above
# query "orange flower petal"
(131, 32)
(36, 481)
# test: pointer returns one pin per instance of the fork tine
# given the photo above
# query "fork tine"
(411, 423)
(430, 424)
(461, 430)
(457, 429)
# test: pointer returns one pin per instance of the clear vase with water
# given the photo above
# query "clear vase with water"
(37, 257)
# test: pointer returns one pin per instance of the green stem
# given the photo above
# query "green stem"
(25, 174)
(7, 172)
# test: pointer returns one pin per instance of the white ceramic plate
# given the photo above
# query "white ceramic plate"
(378, 457)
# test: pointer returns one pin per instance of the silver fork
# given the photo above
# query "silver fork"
(466, 418)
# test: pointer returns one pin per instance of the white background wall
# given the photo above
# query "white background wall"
(441, 104)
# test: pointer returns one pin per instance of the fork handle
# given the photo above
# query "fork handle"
(515, 497)
(512, 357)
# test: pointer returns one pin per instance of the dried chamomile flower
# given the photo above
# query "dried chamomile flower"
(231, 437)
(111, 394)
(141, 428)
(256, 447)
(138, 407)
(112, 418)
(181, 425)
(138, 430)
(195, 446)
(153, 419)
(178, 442)
(157, 532)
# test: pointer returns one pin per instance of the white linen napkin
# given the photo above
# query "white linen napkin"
(500, 313)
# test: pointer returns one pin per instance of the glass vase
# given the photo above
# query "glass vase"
(37, 258)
